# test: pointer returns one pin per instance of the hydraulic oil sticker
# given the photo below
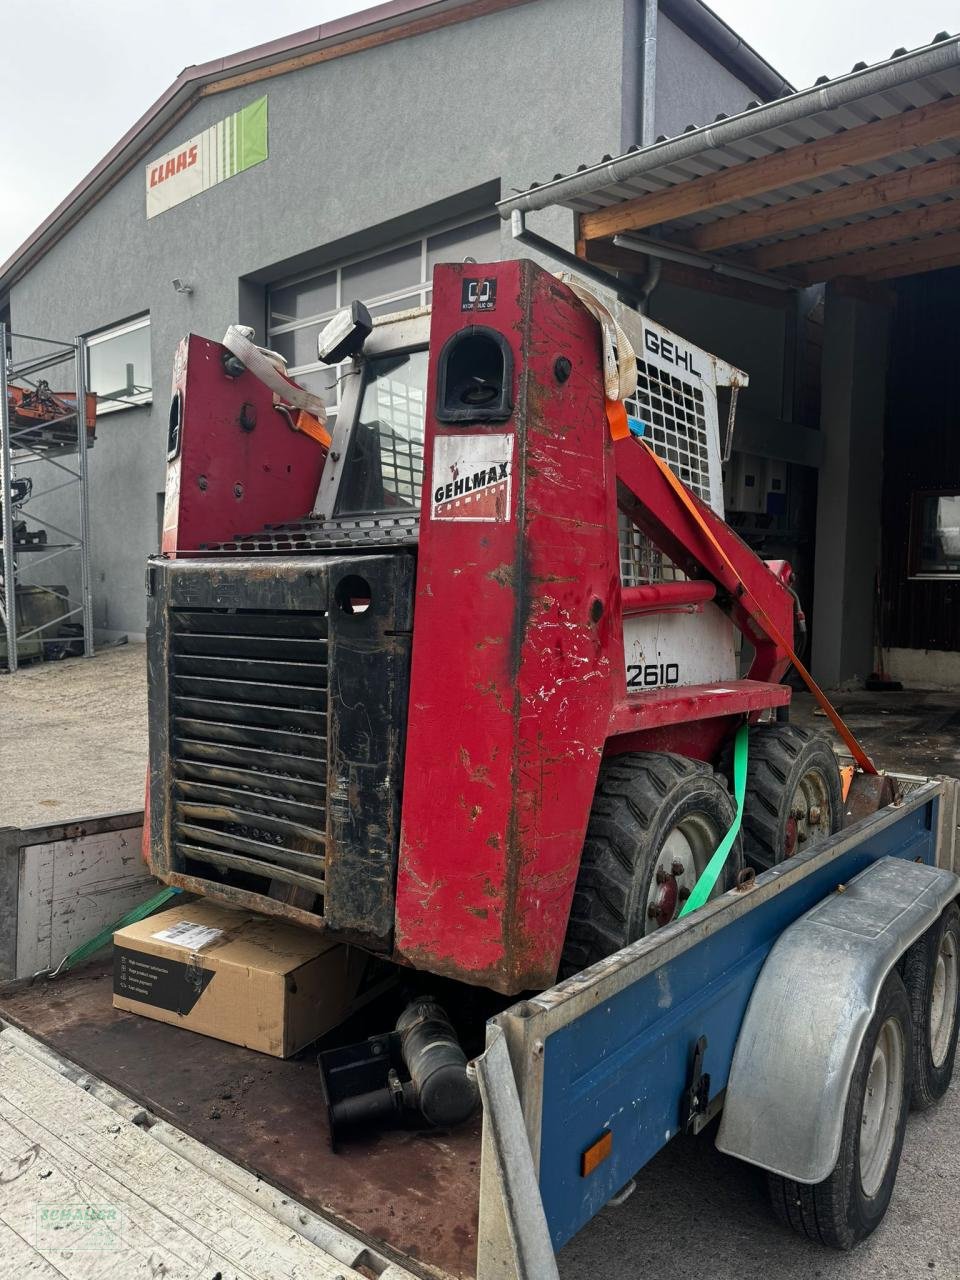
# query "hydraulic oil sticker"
(478, 295)
(472, 477)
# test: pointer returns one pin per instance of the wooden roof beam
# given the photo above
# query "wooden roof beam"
(920, 126)
(918, 267)
(917, 183)
(886, 264)
(857, 235)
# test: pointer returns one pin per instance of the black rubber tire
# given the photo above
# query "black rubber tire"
(836, 1212)
(930, 1082)
(779, 756)
(640, 797)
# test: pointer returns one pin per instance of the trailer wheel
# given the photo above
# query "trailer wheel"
(931, 972)
(851, 1202)
(794, 796)
(655, 823)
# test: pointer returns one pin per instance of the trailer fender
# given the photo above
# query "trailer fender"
(808, 1013)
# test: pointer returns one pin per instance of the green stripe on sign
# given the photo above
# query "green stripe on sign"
(253, 134)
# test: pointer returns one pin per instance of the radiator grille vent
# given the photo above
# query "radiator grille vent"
(249, 747)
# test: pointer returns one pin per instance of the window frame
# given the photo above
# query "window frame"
(115, 404)
(392, 335)
(914, 572)
(422, 290)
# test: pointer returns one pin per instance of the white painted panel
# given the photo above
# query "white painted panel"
(679, 649)
(89, 1195)
(71, 889)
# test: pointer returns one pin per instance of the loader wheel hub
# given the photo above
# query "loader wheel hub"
(790, 838)
(683, 855)
(810, 813)
(664, 905)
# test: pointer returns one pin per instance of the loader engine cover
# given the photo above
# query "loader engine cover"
(278, 697)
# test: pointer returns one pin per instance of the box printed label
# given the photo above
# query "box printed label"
(92, 1228)
(187, 934)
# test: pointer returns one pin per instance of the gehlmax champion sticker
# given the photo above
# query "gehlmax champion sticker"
(472, 477)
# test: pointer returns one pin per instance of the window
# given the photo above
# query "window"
(393, 280)
(384, 470)
(935, 534)
(118, 365)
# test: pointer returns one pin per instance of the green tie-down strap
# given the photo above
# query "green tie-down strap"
(711, 872)
(89, 948)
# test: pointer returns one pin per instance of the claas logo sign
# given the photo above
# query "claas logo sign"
(225, 149)
(170, 168)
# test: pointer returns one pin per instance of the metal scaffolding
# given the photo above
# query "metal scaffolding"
(58, 441)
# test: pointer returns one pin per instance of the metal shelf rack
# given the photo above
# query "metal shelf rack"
(60, 444)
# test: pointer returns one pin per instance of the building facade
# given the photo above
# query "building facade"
(275, 185)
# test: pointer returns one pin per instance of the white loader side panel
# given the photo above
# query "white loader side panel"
(679, 648)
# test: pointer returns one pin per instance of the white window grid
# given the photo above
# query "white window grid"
(400, 410)
(417, 294)
(143, 395)
(672, 410)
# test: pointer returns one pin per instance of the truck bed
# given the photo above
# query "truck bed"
(416, 1192)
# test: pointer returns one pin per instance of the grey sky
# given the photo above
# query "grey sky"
(78, 73)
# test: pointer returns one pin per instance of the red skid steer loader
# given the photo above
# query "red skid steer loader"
(458, 681)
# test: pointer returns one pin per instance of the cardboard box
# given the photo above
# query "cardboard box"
(244, 978)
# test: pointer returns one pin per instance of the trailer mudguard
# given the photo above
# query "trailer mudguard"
(809, 1011)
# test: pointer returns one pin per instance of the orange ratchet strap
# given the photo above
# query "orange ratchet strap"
(303, 421)
(766, 622)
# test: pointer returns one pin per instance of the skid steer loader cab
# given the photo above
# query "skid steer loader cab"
(384, 676)
(375, 469)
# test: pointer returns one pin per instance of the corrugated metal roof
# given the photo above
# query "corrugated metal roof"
(832, 107)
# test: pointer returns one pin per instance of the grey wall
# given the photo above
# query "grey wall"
(692, 87)
(363, 148)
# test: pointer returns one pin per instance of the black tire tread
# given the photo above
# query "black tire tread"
(929, 1082)
(775, 753)
(631, 790)
(827, 1212)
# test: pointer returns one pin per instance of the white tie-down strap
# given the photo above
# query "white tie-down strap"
(619, 357)
(269, 367)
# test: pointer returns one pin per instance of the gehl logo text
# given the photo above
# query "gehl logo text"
(669, 351)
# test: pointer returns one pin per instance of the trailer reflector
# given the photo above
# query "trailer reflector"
(596, 1154)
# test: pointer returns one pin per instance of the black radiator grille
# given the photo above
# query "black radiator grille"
(249, 745)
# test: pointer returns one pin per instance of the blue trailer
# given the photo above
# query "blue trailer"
(762, 1007)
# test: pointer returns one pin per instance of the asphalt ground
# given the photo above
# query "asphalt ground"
(73, 738)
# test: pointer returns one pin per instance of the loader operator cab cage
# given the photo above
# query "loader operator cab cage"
(379, 429)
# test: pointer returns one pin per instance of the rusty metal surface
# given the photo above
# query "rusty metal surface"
(276, 734)
(868, 793)
(417, 1193)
